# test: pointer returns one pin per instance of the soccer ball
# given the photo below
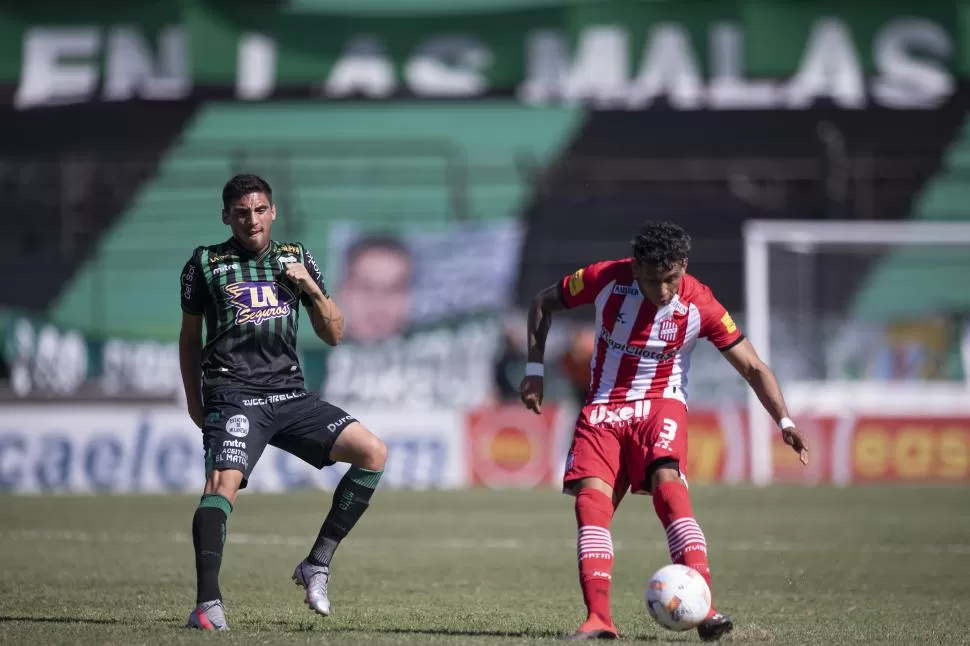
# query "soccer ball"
(678, 597)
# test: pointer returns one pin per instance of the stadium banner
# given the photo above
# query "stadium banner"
(422, 308)
(94, 449)
(510, 446)
(906, 449)
(505, 444)
(865, 448)
(44, 360)
(626, 55)
(124, 449)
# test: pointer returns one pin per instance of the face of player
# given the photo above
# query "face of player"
(250, 218)
(659, 286)
(376, 297)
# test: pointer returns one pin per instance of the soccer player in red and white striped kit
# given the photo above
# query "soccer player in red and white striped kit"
(632, 431)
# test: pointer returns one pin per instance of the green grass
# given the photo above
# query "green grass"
(791, 565)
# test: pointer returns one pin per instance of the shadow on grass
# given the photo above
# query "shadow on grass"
(58, 620)
(455, 632)
(451, 632)
(288, 626)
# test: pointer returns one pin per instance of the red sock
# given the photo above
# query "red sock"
(594, 511)
(685, 540)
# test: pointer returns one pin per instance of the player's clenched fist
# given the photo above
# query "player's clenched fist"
(530, 390)
(795, 440)
(297, 273)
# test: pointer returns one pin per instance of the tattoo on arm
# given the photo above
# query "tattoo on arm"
(332, 316)
(328, 321)
(540, 319)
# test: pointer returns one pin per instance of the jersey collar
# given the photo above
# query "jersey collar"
(243, 251)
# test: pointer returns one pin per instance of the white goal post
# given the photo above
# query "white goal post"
(805, 236)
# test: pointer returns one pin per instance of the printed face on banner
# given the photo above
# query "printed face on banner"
(393, 283)
(422, 310)
(376, 292)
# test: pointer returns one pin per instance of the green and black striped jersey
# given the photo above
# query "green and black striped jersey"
(251, 312)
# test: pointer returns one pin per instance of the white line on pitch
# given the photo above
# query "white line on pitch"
(475, 543)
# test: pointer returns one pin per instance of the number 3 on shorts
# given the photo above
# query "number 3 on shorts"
(666, 436)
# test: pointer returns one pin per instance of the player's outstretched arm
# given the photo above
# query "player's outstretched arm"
(190, 363)
(546, 302)
(762, 380)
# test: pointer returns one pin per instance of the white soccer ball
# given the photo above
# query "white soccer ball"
(678, 597)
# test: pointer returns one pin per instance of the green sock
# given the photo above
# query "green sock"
(208, 538)
(350, 500)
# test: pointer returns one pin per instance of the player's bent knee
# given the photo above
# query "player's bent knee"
(663, 470)
(376, 454)
(590, 483)
(358, 446)
(225, 482)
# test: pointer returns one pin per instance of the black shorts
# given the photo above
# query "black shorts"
(238, 426)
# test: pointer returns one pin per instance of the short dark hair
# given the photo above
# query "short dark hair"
(244, 185)
(383, 242)
(661, 245)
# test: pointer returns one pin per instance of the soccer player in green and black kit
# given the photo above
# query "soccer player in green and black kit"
(245, 389)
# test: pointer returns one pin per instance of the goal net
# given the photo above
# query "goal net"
(867, 325)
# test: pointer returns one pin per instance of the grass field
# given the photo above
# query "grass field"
(791, 565)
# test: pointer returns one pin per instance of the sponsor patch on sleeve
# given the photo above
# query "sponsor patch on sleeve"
(728, 323)
(575, 283)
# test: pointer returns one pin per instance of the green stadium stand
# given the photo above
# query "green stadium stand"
(925, 280)
(916, 282)
(383, 166)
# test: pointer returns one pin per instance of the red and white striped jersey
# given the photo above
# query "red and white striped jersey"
(643, 352)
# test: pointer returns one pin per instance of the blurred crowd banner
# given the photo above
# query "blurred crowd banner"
(619, 53)
(423, 308)
(129, 449)
(137, 449)
(422, 305)
(43, 360)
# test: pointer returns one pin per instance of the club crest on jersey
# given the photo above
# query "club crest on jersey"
(668, 330)
(259, 301)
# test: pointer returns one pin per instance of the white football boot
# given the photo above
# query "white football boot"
(209, 615)
(314, 578)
